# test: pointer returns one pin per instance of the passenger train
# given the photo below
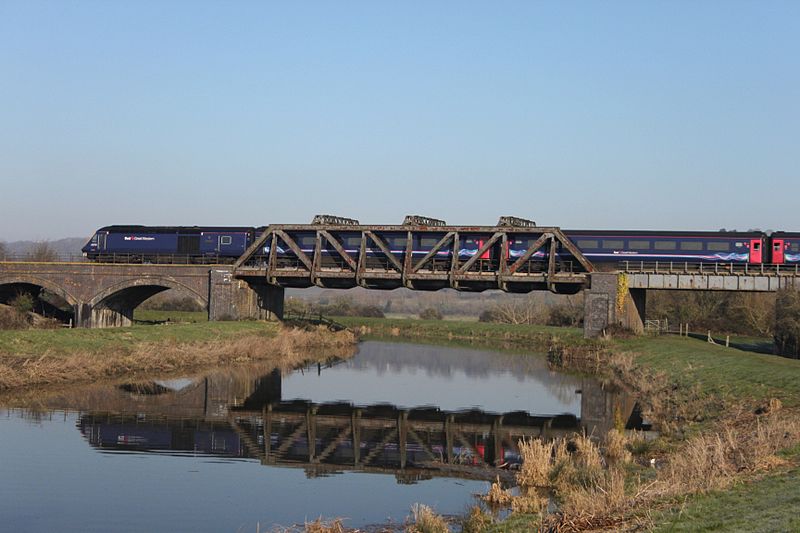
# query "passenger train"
(226, 244)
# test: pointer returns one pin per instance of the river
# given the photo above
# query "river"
(395, 425)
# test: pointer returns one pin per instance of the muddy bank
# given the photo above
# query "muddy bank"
(285, 348)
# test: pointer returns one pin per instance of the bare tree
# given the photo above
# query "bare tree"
(519, 311)
(42, 252)
(3, 251)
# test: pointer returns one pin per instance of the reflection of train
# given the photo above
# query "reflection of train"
(197, 244)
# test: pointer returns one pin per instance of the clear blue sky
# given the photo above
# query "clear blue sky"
(674, 115)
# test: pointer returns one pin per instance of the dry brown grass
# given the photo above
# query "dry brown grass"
(497, 495)
(615, 448)
(536, 464)
(289, 348)
(477, 521)
(426, 521)
(319, 526)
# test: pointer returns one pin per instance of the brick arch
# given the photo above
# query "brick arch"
(145, 282)
(26, 279)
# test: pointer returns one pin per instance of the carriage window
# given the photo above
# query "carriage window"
(353, 242)
(719, 246)
(587, 244)
(399, 242)
(613, 245)
(694, 246)
(795, 247)
(639, 245)
(308, 241)
(225, 239)
(666, 245)
(428, 242)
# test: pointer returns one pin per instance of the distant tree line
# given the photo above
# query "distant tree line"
(341, 306)
(722, 312)
(564, 311)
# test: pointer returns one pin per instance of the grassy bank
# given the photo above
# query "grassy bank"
(44, 357)
(455, 330)
(723, 468)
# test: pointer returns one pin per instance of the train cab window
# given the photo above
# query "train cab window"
(586, 244)
(693, 246)
(718, 246)
(613, 245)
(428, 242)
(638, 245)
(225, 239)
(95, 238)
(666, 245)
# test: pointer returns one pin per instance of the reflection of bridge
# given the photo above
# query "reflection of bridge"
(412, 443)
(343, 254)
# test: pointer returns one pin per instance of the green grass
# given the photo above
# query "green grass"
(148, 315)
(66, 341)
(766, 505)
(452, 329)
(728, 373)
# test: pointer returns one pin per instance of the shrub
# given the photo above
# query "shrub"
(431, 314)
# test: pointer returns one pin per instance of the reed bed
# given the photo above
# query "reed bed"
(288, 348)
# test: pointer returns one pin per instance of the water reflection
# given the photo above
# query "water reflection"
(249, 447)
(245, 413)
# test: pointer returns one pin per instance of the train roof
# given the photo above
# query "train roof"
(787, 234)
(121, 228)
(662, 233)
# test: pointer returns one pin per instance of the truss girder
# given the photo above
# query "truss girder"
(424, 257)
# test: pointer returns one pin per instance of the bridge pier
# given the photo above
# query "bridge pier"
(609, 302)
(236, 299)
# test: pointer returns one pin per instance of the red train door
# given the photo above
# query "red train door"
(755, 251)
(484, 255)
(777, 251)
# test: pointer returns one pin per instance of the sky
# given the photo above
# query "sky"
(619, 115)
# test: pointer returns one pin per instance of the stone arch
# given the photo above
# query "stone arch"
(63, 310)
(44, 283)
(114, 305)
(152, 282)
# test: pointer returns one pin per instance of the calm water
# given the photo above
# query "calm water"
(363, 439)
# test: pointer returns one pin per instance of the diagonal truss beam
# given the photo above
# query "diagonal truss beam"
(532, 249)
(301, 255)
(443, 241)
(380, 447)
(339, 248)
(472, 260)
(572, 249)
(385, 249)
(253, 248)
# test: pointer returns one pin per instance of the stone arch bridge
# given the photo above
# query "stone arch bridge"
(105, 295)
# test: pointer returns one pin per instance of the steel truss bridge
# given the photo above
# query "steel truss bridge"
(373, 263)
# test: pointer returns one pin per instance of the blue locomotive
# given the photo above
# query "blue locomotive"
(193, 244)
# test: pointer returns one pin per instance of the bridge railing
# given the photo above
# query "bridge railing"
(684, 267)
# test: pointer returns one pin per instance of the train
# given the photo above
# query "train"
(201, 244)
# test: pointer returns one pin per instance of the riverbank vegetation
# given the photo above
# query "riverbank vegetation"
(45, 357)
(728, 419)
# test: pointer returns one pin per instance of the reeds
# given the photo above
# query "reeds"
(289, 348)
(425, 520)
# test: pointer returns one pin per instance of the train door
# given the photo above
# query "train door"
(755, 251)
(484, 255)
(777, 251)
